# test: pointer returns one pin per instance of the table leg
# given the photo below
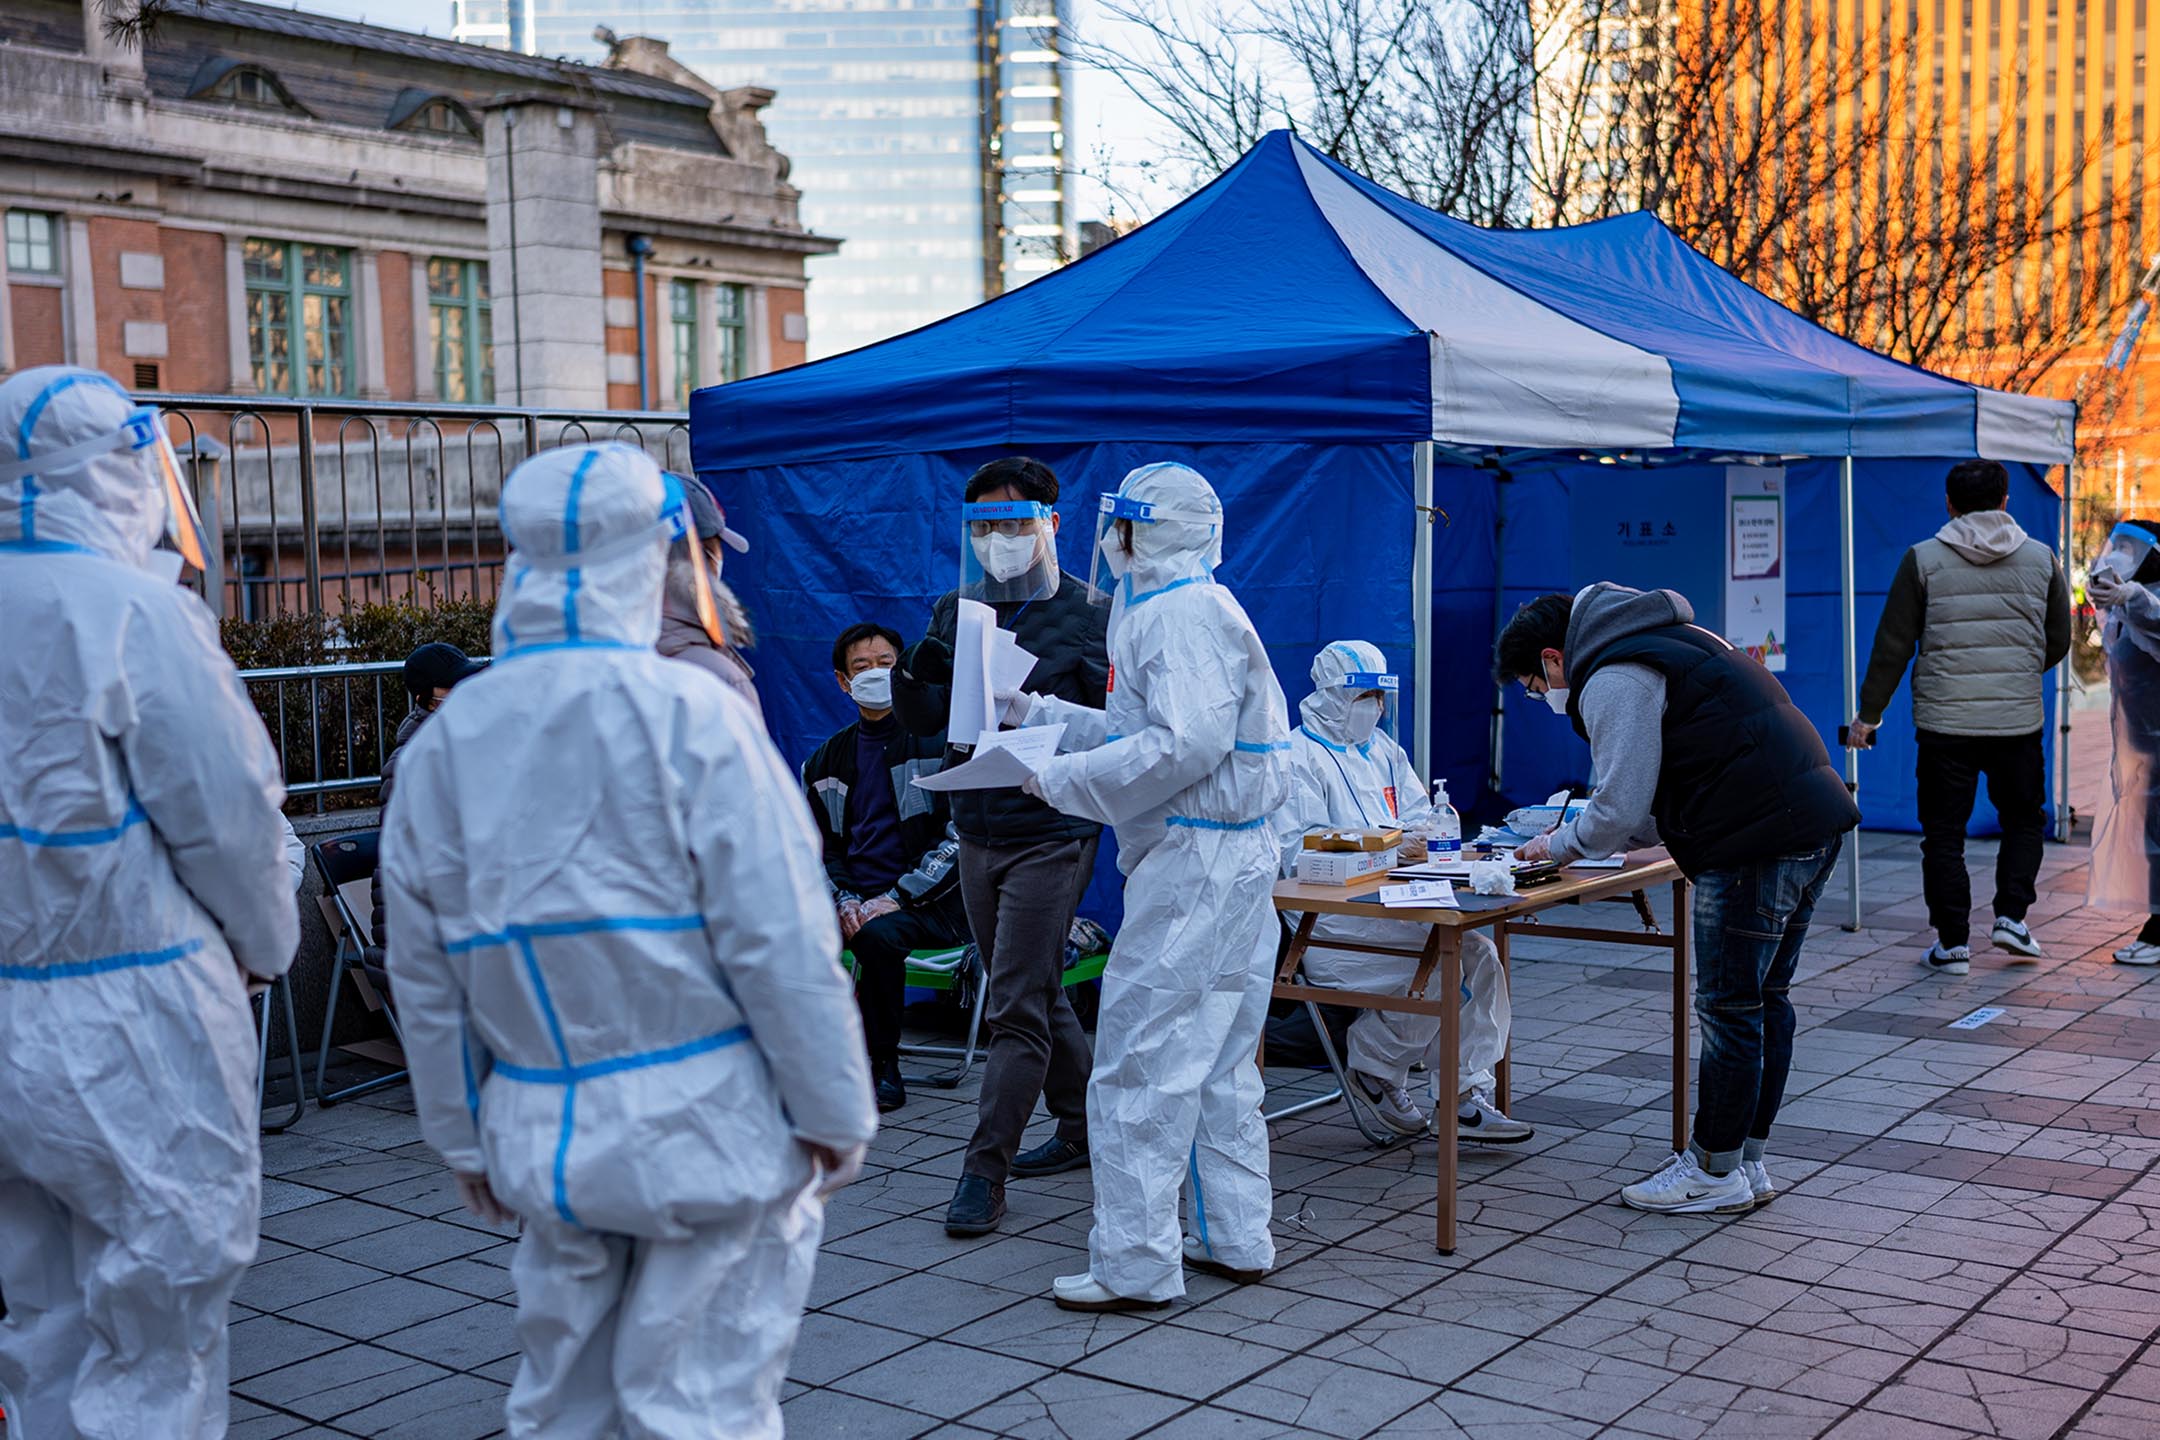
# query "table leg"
(1449, 945)
(1503, 1073)
(1680, 1016)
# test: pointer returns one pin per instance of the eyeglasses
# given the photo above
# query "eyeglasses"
(981, 528)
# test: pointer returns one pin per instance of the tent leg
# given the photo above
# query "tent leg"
(2062, 671)
(1421, 589)
(1849, 608)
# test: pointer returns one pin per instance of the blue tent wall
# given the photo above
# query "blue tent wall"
(1317, 546)
(1896, 504)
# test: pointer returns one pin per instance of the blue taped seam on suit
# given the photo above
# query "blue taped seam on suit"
(66, 839)
(472, 1084)
(75, 969)
(43, 547)
(1199, 1202)
(517, 652)
(1260, 747)
(1146, 595)
(569, 1099)
(1194, 822)
(616, 1065)
(573, 577)
(519, 934)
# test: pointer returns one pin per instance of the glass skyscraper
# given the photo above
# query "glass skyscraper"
(929, 135)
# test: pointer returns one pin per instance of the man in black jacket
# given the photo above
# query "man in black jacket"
(1023, 865)
(889, 853)
(1696, 745)
(430, 672)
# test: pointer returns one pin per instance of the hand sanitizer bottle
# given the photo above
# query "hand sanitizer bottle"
(1444, 830)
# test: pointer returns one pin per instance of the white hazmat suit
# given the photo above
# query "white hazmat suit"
(2125, 872)
(616, 970)
(1187, 760)
(140, 874)
(1345, 773)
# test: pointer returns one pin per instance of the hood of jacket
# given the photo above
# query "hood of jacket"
(108, 503)
(678, 609)
(1983, 536)
(588, 550)
(1606, 612)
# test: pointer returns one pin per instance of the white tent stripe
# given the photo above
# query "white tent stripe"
(1506, 370)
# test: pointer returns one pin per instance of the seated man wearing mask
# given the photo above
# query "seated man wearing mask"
(1345, 772)
(890, 856)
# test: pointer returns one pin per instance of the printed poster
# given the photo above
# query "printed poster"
(1755, 561)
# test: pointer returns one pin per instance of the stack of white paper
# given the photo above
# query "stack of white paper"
(1420, 895)
(1004, 759)
(988, 660)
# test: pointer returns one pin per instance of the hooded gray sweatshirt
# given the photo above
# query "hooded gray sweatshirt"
(1988, 611)
(1623, 708)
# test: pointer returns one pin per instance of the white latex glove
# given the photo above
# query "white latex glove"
(2103, 585)
(1536, 848)
(1013, 706)
(836, 1168)
(480, 1199)
(1033, 786)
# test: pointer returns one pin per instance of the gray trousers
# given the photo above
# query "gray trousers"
(1020, 903)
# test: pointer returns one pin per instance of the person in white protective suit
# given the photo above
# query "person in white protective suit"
(1188, 761)
(614, 960)
(141, 885)
(2126, 845)
(1347, 772)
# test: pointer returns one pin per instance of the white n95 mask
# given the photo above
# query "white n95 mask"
(1115, 560)
(1556, 700)
(1363, 719)
(1005, 557)
(872, 689)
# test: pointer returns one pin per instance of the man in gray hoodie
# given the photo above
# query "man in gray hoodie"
(1698, 746)
(1988, 610)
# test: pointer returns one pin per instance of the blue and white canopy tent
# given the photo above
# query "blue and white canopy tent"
(1345, 365)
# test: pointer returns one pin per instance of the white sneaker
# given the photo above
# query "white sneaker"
(1956, 960)
(1685, 1188)
(1392, 1103)
(1759, 1181)
(1478, 1122)
(2012, 935)
(2138, 952)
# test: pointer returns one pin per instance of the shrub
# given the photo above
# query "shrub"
(340, 728)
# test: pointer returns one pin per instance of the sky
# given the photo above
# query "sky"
(1110, 129)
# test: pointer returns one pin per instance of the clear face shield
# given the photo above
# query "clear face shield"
(675, 516)
(1008, 550)
(1121, 538)
(2126, 549)
(1369, 702)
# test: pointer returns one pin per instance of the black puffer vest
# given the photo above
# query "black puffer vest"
(1745, 777)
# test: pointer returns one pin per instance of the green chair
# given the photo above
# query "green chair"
(943, 970)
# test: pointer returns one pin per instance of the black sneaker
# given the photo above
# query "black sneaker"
(891, 1089)
(1053, 1157)
(977, 1207)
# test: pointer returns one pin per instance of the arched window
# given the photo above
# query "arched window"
(424, 112)
(242, 83)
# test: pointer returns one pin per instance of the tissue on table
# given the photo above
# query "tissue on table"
(1492, 877)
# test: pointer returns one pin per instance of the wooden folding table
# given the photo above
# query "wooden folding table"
(1441, 957)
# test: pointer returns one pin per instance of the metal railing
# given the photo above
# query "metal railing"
(316, 505)
(333, 725)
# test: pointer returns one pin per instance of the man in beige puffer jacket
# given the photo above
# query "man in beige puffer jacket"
(1988, 610)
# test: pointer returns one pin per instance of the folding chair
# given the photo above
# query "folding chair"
(942, 970)
(348, 863)
(1362, 1113)
(279, 993)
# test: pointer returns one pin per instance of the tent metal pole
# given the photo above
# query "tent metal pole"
(1849, 610)
(1421, 589)
(2063, 678)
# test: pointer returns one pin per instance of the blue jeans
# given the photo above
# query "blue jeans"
(1749, 923)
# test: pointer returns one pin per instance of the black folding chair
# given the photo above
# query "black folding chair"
(279, 995)
(350, 860)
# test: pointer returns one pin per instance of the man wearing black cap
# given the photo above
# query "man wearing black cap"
(682, 637)
(430, 673)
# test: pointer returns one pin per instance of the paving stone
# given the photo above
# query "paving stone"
(342, 1381)
(315, 1227)
(266, 1342)
(1074, 1407)
(830, 1346)
(850, 1417)
(379, 1307)
(1696, 1406)
(414, 1245)
(1320, 1398)
(1177, 1361)
(1460, 1415)
(457, 1407)
(940, 1378)
(298, 1278)
(928, 1305)
(1981, 1401)
(462, 1340)
(1580, 1383)
(2058, 1354)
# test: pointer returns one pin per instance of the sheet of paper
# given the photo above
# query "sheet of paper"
(972, 695)
(1610, 862)
(1003, 760)
(1010, 663)
(1420, 894)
